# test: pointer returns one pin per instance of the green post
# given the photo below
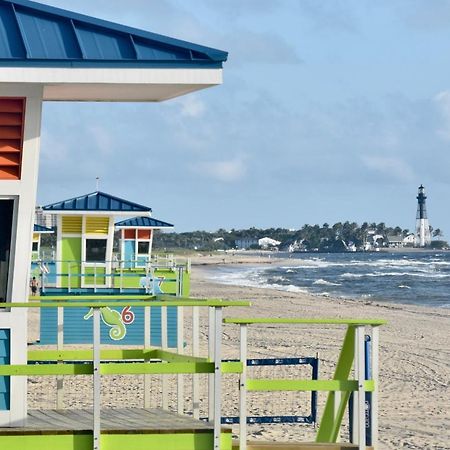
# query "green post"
(332, 415)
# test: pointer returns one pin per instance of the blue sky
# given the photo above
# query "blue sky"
(331, 110)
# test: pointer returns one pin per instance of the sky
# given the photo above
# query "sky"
(330, 110)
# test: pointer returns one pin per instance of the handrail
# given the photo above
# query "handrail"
(352, 354)
(306, 321)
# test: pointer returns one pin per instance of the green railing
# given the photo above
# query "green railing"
(99, 362)
(110, 362)
(339, 388)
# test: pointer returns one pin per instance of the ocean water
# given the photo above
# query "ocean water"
(417, 278)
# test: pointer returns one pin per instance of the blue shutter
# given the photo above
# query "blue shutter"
(4, 359)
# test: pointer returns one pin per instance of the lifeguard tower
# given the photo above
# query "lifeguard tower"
(49, 54)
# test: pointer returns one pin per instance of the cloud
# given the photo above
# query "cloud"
(442, 100)
(225, 171)
(191, 106)
(390, 167)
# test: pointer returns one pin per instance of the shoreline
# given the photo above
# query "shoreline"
(414, 352)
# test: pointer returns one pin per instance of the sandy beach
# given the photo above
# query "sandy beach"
(414, 357)
(414, 351)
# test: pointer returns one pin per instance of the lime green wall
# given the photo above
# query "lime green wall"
(98, 280)
(172, 441)
(71, 251)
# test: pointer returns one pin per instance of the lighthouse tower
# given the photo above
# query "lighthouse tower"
(423, 234)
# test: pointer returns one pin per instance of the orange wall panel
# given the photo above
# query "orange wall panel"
(130, 233)
(144, 234)
(12, 116)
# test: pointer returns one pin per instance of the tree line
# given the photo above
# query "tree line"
(310, 237)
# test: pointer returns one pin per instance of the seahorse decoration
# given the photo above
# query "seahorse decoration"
(112, 319)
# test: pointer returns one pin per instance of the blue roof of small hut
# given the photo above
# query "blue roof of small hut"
(97, 201)
(143, 222)
(40, 229)
(33, 34)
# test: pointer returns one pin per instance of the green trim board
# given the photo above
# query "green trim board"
(308, 385)
(122, 441)
(110, 354)
(306, 321)
(116, 368)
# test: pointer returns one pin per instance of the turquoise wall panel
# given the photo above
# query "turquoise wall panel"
(5, 347)
(129, 249)
(78, 330)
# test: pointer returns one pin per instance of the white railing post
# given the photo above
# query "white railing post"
(375, 370)
(147, 345)
(164, 345)
(60, 346)
(96, 378)
(217, 376)
(195, 352)
(211, 344)
(180, 344)
(360, 403)
(243, 390)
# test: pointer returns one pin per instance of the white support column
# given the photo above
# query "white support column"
(195, 352)
(60, 346)
(147, 345)
(360, 404)
(164, 345)
(180, 344)
(96, 379)
(243, 390)
(23, 192)
(217, 376)
(375, 370)
(211, 345)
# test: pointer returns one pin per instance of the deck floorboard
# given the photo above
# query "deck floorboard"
(113, 421)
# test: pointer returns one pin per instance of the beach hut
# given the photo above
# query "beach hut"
(136, 239)
(85, 235)
(49, 54)
(38, 231)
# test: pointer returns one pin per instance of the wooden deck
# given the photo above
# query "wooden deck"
(121, 429)
(113, 421)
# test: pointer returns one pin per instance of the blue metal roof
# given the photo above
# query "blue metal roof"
(33, 34)
(96, 201)
(143, 222)
(41, 229)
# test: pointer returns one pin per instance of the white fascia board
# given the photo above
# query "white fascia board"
(98, 213)
(112, 84)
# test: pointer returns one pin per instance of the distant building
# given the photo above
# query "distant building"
(267, 242)
(395, 241)
(245, 243)
(409, 239)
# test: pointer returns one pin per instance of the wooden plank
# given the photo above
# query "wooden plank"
(114, 421)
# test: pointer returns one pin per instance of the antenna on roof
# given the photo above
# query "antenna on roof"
(97, 183)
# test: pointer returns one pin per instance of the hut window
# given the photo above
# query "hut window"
(35, 246)
(6, 220)
(143, 248)
(95, 250)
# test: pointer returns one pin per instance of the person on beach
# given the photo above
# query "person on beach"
(34, 286)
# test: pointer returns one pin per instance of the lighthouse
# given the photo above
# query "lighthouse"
(423, 234)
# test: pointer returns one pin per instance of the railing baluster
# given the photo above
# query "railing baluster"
(96, 379)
